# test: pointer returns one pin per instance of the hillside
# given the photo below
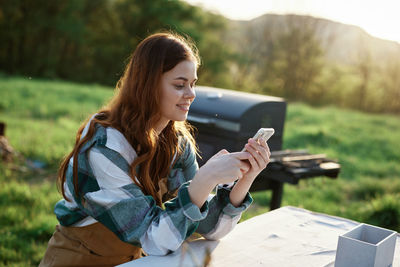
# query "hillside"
(342, 43)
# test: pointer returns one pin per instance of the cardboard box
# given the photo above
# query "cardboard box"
(367, 246)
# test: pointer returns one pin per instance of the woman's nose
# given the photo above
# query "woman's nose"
(190, 93)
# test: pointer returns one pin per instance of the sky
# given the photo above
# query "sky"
(380, 18)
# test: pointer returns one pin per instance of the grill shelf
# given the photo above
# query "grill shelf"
(290, 166)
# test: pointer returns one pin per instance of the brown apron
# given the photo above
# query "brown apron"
(93, 245)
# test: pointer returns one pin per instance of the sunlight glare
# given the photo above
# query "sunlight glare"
(378, 18)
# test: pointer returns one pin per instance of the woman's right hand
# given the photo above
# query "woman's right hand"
(225, 167)
(222, 168)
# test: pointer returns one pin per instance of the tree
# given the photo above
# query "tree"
(89, 41)
(254, 51)
(364, 69)
(390, 83)
(34, 32)
(296, 60)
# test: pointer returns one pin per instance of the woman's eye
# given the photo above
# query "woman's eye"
(179, 86)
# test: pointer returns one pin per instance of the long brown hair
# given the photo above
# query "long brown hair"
(135, 109)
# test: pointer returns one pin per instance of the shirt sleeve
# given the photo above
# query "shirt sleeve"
(134, 217)
(222, 216)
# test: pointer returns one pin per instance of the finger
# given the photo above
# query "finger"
(268, 150)
(241, 155)
(253, 163)
(264, 143)
(244, 148)
(244, 166)
(256, 156)
(263, 151)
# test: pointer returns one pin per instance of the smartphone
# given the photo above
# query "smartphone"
(265, 133)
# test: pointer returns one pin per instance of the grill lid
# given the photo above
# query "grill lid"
(226, 105)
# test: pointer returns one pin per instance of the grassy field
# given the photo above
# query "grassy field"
(42, 118)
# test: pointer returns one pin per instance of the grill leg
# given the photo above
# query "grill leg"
(277, 192)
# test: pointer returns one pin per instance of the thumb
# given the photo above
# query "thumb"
(241, 155)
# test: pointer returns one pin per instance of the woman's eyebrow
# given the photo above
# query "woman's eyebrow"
(184, 79)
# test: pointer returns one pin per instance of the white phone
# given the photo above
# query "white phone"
(265, 133)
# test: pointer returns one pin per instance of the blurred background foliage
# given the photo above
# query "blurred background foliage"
(90, 40)
(298, 57)
(59, 61)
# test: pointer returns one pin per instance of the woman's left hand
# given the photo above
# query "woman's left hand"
(261, 157)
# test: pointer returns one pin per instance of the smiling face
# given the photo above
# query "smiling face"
(177, 92)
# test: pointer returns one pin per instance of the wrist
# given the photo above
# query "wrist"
(239, 191)
(200, 188)
(247, 179)
(206, 178)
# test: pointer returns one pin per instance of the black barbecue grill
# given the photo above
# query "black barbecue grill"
(227, 119)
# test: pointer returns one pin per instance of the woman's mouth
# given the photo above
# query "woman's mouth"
(183, 107)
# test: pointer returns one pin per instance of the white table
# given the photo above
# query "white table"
(287, 236)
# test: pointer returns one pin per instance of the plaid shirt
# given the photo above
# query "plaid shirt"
(108, 195)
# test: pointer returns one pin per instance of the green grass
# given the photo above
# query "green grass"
(43, 116)
(26, 220)
(366, 146)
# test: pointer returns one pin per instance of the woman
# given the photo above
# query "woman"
(131, 186)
